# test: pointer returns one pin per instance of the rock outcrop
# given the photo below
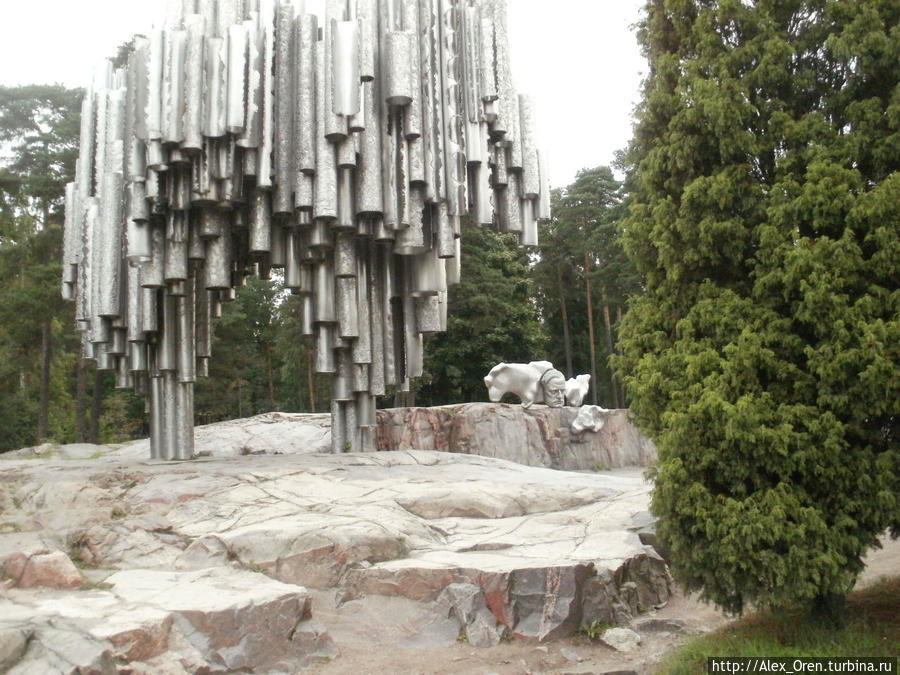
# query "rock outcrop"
(238, 561)
(537, 436)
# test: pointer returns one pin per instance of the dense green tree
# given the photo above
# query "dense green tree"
(491, 319)
(300, 388)
(763, 357)
(244, 369)
(581, 257)
(39, 134)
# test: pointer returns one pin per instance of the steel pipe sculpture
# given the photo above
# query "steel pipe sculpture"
(247, 135)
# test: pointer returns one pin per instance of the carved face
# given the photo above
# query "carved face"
(554, 384)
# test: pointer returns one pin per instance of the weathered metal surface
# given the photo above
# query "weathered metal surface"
(345, 148)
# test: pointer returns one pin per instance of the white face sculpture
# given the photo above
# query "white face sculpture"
(554, 384)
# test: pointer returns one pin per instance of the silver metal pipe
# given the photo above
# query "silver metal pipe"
(367, 16)
(217, 270)
(529, 223)
(325, 202)
(170, 415)
(214, 103)
(325, 290)
(305, 111)
(282, 202)
(399, 50)
(249, 136)
(260, 222)
(157, 413)
(369, 195)
(342, 389)
(345, 212)
(176, 265)
(184, 421)
(173, 90)
(345, 74)
(202, 320)
(292, 261)
(193, 83)
(543, 211)
(338, 428)
(235, 108)
(167, 356)
(334, 125)
(278, 251)
(346, 308)
(184, 306)
(267, 121)
(377, 322)
(149, 309)
(325, 362)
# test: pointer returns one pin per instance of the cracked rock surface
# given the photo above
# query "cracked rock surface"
(270, 562)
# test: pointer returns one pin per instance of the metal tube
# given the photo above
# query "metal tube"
(305, 87)
(184, 421)
(325, 202)
(325, 362)
(369, 195)
(345, 82)
(173, 78)
(170, 415)
(184, 306)
(267, 122)
(214, 103)
(236, 78)
(157, 413)
(346, 308)
(260, 222)
(334, 124)
(338, 428)
(249, 136)
(399, 50)
(282, 202)
(193, 83)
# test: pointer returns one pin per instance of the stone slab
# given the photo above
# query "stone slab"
(536, 436)
(378, 535)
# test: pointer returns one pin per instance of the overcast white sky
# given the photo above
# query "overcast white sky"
(577, 58)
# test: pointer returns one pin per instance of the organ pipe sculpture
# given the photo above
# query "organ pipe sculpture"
(247, 135)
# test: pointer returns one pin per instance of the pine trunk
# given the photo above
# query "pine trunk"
(567, 341)
(271, 377)
(310, 380)
(590, 313)
(614, 384)
(619, 351)
(44, 406)
(96, 407)
(80, 399)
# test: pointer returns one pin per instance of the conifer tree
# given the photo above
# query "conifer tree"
(763, 357)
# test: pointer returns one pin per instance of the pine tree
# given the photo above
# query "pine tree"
(491, 318)
(763, 357)
(581, 257)
(39, 132)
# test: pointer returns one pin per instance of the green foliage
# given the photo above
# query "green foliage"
(491, 319)
(763, 356)
(243, 370)
(39, 131)
(586, 221)
(872, 630)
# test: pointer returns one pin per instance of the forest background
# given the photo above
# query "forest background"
(513, 305)
(742, 281)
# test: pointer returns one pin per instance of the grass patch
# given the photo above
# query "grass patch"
(872, 629)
